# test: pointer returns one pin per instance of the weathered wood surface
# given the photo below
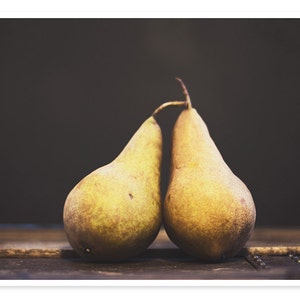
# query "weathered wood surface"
(33, 252)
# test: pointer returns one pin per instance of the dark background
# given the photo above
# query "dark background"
(74, 91)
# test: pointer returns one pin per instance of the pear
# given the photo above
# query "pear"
(208, 212)
(115, 212)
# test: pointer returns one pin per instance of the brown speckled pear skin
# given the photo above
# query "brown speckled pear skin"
(115, 212)
(208, 211)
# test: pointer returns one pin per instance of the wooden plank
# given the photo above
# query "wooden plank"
(44, 253)
(153, 264)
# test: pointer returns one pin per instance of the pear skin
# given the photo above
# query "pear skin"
(208, 211)
(115, 212)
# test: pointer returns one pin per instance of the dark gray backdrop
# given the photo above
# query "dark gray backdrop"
(74, 91)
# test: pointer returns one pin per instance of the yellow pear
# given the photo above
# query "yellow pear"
(115, 212)
(208, 211)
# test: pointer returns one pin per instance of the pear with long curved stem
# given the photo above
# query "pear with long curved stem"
(208, 211)
(115, 212)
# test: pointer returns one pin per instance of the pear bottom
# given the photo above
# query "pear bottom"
(211, 221)
(209, 248)
(105, 219)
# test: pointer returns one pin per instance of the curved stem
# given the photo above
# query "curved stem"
(186, 93)
(166, 104)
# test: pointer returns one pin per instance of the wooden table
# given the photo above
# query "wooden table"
(37, 252)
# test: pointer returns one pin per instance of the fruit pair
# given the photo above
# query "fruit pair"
(116, 211)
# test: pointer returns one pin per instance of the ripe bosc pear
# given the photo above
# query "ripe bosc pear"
(115, 212)
(208, 211)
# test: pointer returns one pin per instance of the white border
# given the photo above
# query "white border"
(149, 9)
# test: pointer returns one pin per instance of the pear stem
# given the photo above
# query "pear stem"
(186, 93)
(166, 104)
